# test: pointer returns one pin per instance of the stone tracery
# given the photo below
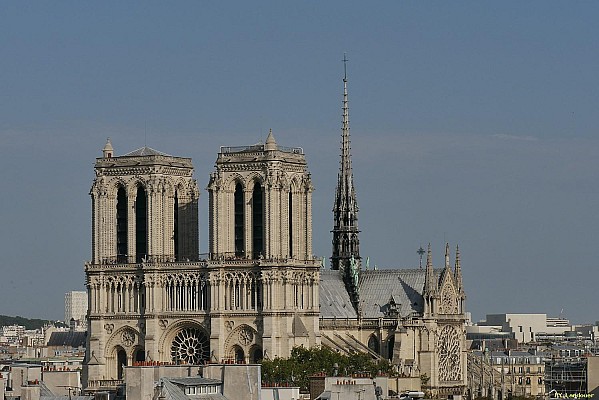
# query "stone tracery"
(449, 353)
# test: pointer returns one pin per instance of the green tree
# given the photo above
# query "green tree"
(303, 362)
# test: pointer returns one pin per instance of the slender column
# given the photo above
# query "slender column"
(308, 219)
(165, 295)
(185, 296)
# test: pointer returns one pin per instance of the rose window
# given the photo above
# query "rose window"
(190, 346)
(128, 337)
(246, 336)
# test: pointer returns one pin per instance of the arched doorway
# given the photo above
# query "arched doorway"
(256, 355)
(121, 362)
(239, 355)
(139, 355)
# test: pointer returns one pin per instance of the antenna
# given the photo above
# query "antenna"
(420, 252)
(145, 133)
(345, 60)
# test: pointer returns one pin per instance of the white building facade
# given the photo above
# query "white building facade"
(75, 306)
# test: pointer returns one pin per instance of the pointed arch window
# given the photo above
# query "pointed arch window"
(239, 221)
(290, 223)
(141, 224)
(176, 225)
(121, 225)
(373, 344)
(390, 347)
(257, 221)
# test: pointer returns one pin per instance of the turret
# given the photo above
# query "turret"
(107, 151)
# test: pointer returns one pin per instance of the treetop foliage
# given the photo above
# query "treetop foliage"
(303, 362)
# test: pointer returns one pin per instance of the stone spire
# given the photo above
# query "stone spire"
(429, 284)
(447, 256)
(270, 144)
(458, 269)
(346, 245)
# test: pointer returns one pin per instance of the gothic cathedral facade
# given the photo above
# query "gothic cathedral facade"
(259, 291)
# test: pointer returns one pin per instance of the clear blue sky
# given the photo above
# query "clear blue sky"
(471, 122)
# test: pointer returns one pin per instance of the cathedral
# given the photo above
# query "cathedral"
(260, 291)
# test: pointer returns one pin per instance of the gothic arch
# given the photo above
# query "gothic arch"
(294, 185)
(374, 344)
(232, 181)
(113, 185)
(126, 337)
(252, 179)
(244, 337)
(134, 184)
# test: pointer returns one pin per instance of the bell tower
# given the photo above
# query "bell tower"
(260, 203)
(260, 212)
(144, 206)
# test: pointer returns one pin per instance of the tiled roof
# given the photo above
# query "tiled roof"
(145, 151)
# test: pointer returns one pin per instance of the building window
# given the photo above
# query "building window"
(290, 224)
(141, 224)
(121, 225)
(176, 226)
(257, 222)
(239, 221)
(373, 344)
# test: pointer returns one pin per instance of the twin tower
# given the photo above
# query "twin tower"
(152, 297)
(145, 206)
